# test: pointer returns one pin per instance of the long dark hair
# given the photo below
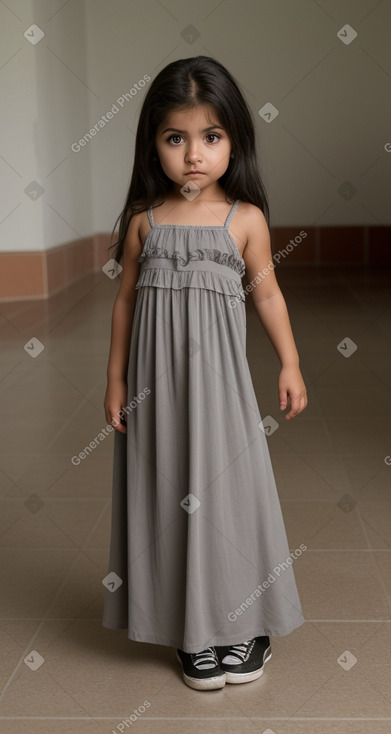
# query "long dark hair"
(187, 83)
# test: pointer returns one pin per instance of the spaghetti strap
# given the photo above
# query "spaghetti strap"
(150, 216)
(230, 214)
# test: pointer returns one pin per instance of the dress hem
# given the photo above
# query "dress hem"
(214, 642)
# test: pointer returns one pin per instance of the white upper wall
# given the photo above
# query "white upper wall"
(333, 100)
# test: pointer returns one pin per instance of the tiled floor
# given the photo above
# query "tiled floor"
(334, 483)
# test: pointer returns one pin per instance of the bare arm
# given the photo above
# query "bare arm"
(121, 326)
(272, 311)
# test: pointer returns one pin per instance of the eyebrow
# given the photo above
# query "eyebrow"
(207, 129)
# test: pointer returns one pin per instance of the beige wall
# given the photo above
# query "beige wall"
(333, 101)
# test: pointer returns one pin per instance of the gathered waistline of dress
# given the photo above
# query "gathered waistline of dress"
(203, 265)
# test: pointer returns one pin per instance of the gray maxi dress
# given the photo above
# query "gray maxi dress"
(198, 553)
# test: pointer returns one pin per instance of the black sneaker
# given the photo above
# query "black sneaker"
(201, 670)
(244, 662)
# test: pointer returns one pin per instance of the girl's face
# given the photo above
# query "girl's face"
(188, 141)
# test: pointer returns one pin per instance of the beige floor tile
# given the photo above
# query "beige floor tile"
(383, 564)
(323, 525)
(375, 517)
(341, 585)
(351, 435)
(368, 641)
(346, 404)
(308, 478)
(348, 693)
(307, 435)
(369, 476)
(48, 523)
(34, 577)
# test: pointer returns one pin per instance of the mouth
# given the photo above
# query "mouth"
(194, 173)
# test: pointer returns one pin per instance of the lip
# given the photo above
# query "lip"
(194, 173)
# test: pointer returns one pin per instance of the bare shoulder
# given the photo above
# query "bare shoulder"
(254, 225)
(142, 222)
(133, 242)
(257, 251)
(138, 229)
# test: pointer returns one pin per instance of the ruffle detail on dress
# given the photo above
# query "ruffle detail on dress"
(162, 278)
(223, 258)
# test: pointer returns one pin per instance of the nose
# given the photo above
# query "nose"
(192, 152)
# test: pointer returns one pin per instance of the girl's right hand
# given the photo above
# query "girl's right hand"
(115, 402)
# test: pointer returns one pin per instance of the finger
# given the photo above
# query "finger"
(283, 396)
(120, 428)
(119, 423)
(298, 403)
(118, 420)
(295, 406)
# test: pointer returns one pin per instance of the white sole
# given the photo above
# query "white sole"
(247, 677)
(207, 684)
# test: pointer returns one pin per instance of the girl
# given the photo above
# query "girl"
(199, 558)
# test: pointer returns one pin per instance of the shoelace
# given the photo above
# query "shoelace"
(240, 653)
(204, 659)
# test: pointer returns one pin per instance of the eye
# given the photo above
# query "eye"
(175, 135)
(213, 135)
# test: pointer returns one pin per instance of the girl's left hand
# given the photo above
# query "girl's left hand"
(291, 389)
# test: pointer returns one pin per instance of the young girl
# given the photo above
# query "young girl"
(199, 558)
